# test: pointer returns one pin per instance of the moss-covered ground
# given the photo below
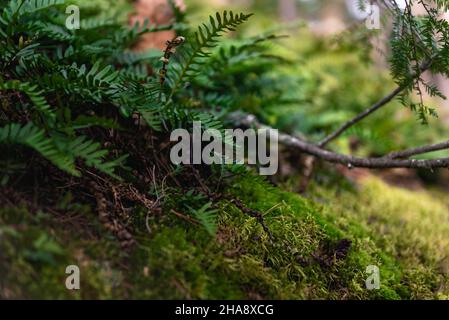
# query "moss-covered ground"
(320, 249)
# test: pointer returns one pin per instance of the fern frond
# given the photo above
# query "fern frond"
(193, 54)
(92, 154)
(207, 217)
(33, 137)
(98, 76)
(62, 152)
(83, 122)
(33, 93)
(96, 22)
(52, 31)
(151, 116)
(18, 8)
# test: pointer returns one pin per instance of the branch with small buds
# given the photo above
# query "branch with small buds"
(169, 51)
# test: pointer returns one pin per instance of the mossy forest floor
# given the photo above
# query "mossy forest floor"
(320, 249)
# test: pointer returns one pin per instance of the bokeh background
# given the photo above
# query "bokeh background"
(337, 68)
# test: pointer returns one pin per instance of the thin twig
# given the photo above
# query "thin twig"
(419, 150)
(382, 102)
(186, 218)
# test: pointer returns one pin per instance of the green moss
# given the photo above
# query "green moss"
(34, 254)
(409, 228)
(402, 232)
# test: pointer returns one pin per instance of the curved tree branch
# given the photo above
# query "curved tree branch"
(382, 162)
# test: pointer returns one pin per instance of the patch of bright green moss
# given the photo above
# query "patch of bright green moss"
(410, 228)
(401, 232)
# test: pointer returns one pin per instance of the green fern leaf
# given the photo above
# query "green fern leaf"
(33, 137)
(92, 154)
(207, 217)
(193, 54)
(33, 93)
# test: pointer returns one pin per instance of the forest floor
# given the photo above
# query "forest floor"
(320, 248)
(268, 242)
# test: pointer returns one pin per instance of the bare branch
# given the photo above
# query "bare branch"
(361, 116)
(374, 163)
(382, 102)
(419, 150)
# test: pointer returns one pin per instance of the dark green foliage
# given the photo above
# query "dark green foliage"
(66, 75)
(192, 55)
(419, 43)
(207, 217)
(33, 137)
(63, 91)
(71, 80)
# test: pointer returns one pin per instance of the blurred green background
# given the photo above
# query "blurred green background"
(331, 67)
